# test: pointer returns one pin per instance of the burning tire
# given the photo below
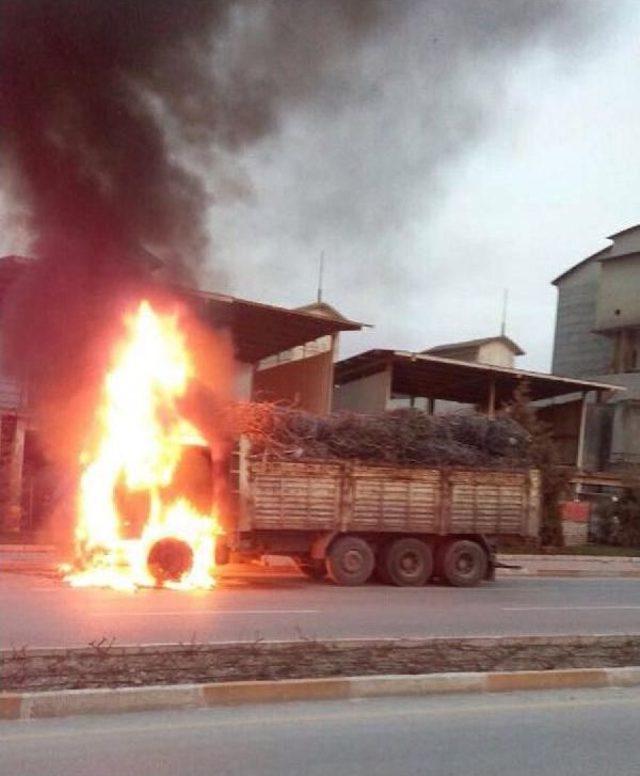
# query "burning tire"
(169, 560)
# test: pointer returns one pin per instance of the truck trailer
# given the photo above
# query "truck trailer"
(349, 521)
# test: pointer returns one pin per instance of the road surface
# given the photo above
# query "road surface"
(582, 733)
(36, 611)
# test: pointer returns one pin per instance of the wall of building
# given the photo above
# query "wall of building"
(625, 438)
(367, 394)
(577, 351)
(564, 419)
(496, 354)
(627, 242)
(618, 301)
(440, 406)
(243, 381)
(598, 437)
(313, 348)
(612, 438)
(458, 354)
(305, 383)
(563, 416)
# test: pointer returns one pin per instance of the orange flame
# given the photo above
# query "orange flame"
(141, 439)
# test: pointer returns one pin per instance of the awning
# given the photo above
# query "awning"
(417, 374)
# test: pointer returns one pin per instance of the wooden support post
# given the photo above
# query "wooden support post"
(491, 404)
(582, 432)
(386, 404)
(431, 406)
(244, 450)
(333, 355)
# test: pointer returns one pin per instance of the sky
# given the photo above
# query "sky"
(552, 170)
(437, 152)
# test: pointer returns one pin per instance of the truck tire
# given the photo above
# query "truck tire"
(408, 562)
(464, 563)
(350, 561)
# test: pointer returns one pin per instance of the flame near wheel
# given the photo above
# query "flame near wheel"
(137, 525)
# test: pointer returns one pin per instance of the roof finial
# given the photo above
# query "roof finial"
(320, 277)
(505, 301)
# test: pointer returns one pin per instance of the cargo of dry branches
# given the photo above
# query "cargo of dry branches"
(405, 437)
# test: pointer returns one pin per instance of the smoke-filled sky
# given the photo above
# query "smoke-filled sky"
(437, 151)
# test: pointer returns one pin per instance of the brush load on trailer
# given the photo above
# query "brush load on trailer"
(411, 497)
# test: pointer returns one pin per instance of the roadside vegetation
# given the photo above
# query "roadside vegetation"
(543, 454)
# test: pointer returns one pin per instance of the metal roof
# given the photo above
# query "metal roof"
(420, 374)
(260, 330)
(476, 343)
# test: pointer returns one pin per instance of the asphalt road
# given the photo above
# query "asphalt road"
(582, 733)
(36, 611)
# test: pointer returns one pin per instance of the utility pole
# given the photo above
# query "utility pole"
(505, 301)
(320, 276)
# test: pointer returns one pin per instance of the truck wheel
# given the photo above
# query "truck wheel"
(409, 562)
(350, 561)
(314, 569)
(464, 563)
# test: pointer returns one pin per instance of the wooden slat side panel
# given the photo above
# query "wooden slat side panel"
(391, 499)
(295, 496)
(355, 497)
(488, 502)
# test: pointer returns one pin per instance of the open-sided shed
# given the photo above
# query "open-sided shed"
(369, 381)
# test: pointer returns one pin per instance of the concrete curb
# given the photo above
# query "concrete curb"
(34, 705)
(570, 566)
(576, 573)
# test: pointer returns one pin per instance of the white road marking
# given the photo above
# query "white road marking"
(568, 608)
(182, 613)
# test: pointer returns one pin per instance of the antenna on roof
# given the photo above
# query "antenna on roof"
(505, 301)
(320, 276)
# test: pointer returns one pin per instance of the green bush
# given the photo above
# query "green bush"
(543, 455)
(620, 523)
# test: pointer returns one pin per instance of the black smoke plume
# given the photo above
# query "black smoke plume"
(119, 118)
(126, 123)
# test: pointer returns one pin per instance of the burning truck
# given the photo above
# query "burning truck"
(162, 499)
(121, 124)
